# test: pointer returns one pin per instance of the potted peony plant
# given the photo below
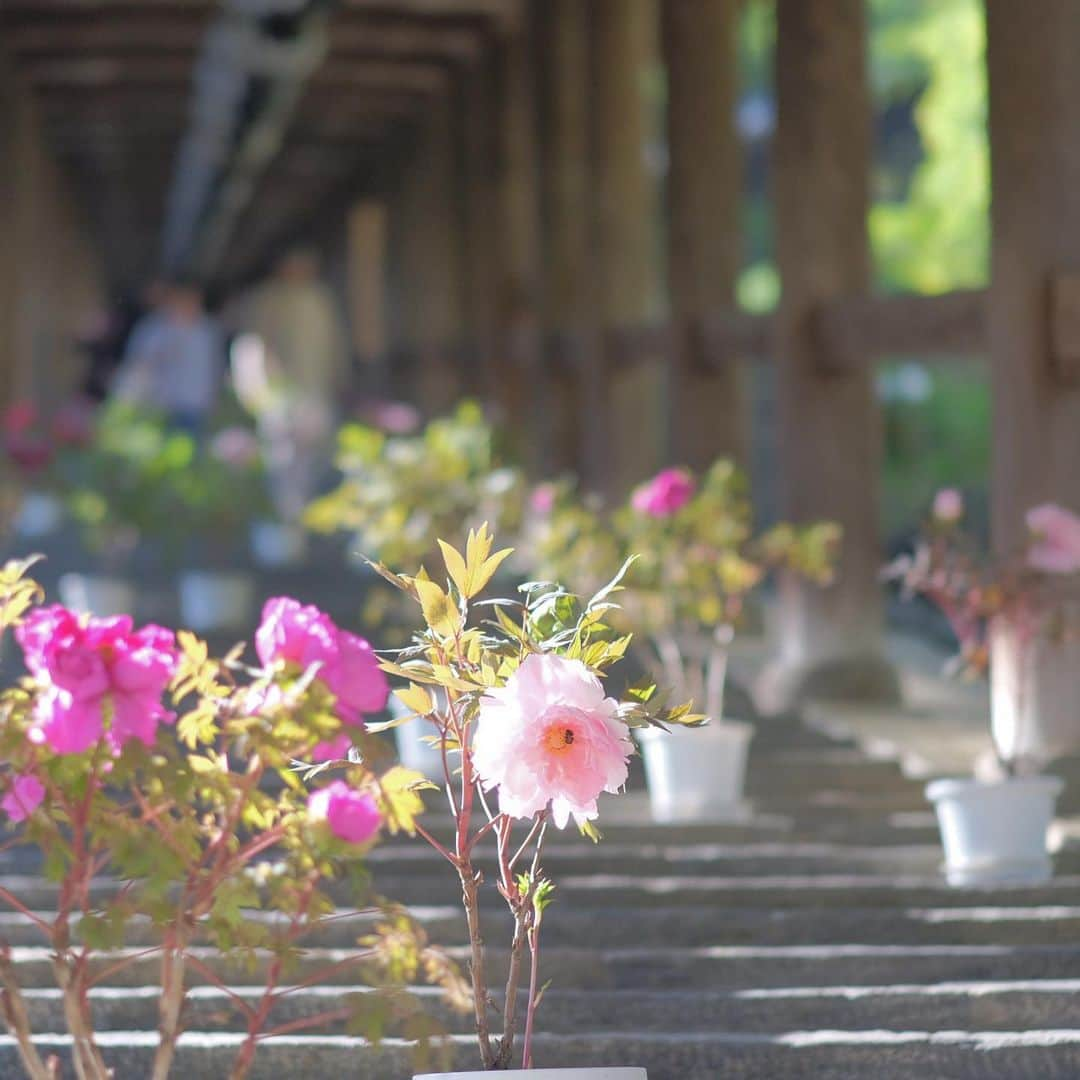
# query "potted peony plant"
(529, 739)
(1015, 616)
(104, 778)
(217, 495)
(31, 442)
(698, 562)
(113, 487)
(400, 490)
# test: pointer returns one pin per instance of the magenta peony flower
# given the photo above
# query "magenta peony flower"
(542, 499)
(352, 816)
(668, 491)
(948, 505)
(95, 671)
(550, 736)
(302, 635)
(1055, 546)
(25, 796)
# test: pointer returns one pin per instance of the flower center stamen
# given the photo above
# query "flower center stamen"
(558, 739)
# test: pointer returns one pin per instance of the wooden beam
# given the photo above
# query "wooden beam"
(415, 77)
(505, 13)
(830, 433)
(855, 329)
(351, 36)
(108, 35)
(708, 413)
(83, 72)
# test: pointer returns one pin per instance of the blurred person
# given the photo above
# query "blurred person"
(290, 368)
(173, 360)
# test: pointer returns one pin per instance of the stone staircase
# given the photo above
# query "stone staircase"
(815, 939)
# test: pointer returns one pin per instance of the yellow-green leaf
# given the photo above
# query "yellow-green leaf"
(440, 612)
(415, 698)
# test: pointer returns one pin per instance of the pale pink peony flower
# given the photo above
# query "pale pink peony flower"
(95, 671)
(948, 505)
(352, 816)
(1055, 544)
(550, 736)
(236, 447)
(668, 491)
(301, 635)
(25, 796)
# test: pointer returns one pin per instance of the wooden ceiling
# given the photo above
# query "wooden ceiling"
(117, 82)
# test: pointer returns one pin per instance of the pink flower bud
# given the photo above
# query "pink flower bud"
(350, 815)
(948, 505)
(24, 797)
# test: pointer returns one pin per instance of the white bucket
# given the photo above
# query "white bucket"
(696, 774)
(275, 544)
(215, 600)
(91, 594)
(39, 515)
(995, 833)
(614, 1073)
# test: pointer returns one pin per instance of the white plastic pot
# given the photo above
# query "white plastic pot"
(275, 544)
(215, 600)
(94, 594)
(613, 1073)
(1035, 715)
(995, 833)
(39, 515)
(413, 751)
(696, 774)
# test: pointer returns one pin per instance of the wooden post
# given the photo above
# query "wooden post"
(569, 308)
(520, 380)
(431, 259)
(626, 445)
(366, 279)
(707, 410)
(479, 148)
(830, 640)
(1035, 168)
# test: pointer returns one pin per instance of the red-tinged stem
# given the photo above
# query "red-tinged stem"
(442, 849)
(530, 1011)
(323, 973)
(257, 1021)
(302, 1023)
(13, 901)
(17, 1020)
(170, 1006)
(121, 965)
(212, 976)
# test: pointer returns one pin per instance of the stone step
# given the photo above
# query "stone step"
(989, 1006)
(717, 891)
(714, 967)
(687, 927)
(766, 891)
(824, 1055)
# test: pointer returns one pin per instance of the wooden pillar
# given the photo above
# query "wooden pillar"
(520, 384)
(830, 441)
(707, 410)
(431, 260)
(366, 243)
(624, 40)
(479, 152)
(1035, 288)
(568, 289)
